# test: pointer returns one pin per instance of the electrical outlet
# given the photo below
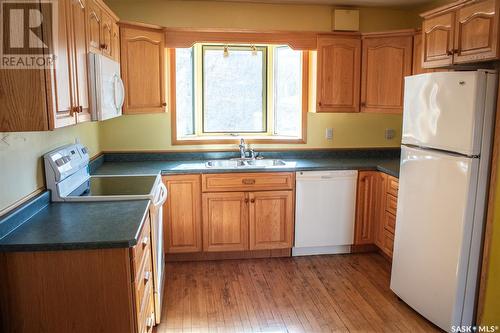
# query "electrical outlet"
(390, 133)
(329, 134)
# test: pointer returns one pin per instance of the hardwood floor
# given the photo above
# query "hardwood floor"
(338, 293)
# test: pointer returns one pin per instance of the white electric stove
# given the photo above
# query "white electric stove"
(68, 178)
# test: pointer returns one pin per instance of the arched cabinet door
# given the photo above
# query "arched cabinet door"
(142, 65)
(386, 60)
(437, 40)
(476, 32)
(339, 66)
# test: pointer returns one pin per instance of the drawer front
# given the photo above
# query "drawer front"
(148, 317)
(236, 182)
(145, 313)
(392, 186)
(389, 222)
(388, 243)
(391, 204)
(143, 244)
(143, 281)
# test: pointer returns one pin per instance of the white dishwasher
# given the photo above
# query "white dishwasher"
(325, 209)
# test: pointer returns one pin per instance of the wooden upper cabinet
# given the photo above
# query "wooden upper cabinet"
(143, 69)
(80, 60)
(461, 32)
(385, 63)
(437, 40)
(476, 32)
(115, 43)
(94, 23)
(271, 220)
(60, 81)
(369, 206)
(182, 217)
(339, 63)
(225, 221)
(107, 35)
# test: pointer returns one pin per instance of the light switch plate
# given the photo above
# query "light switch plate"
(329, 134)
(390, 133)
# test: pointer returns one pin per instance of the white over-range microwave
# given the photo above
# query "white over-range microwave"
(107, 92)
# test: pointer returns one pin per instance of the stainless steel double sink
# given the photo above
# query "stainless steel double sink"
(242, 163)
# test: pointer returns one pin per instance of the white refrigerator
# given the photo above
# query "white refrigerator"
(446, 146)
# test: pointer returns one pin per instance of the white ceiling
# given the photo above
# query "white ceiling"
(342, 2)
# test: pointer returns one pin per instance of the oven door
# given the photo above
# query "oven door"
(158, 255)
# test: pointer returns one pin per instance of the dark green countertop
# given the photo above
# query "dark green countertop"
(79, 225)
(386, 165)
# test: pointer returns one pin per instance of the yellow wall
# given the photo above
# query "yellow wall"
(21, 171)
(152, 132)
(491, 315)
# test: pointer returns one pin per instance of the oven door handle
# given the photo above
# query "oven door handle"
(163, 196)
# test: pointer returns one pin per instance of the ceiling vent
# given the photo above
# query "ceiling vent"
(345, 19)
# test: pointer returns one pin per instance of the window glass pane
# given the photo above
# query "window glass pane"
(234, 89)
(184, 94)
(287, 91)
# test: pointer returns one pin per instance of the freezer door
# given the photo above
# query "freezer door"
(445, 110)
(433, 233)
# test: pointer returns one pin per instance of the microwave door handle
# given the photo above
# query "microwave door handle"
(118, 103)
(122, 92)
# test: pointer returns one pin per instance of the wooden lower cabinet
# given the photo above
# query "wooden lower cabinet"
(376, 210)
(182, 214)
(225, 221)
(271, 220)
(228, 213)
(368, 206)
(78, 291)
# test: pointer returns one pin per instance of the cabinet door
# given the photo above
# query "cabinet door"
(106, 35)
(476, 32)
(182, 217)
(271, 220)
(338, 85)
(79, 60)
(94, 26)
(225, 221)
(380, 194)
(437, 40)
(59, 80)
(368, 206)
(142, 59)
(386, 61)
(115, 43)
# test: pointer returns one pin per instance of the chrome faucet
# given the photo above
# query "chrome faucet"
(243, 148)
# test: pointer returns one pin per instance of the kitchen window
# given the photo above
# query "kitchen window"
(220, 92)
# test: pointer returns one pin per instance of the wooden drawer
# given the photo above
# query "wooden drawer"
(388, 245)
(145, 313)
(392, 186)
(391, 204)
(389, 222)
(237, 182)
(143, 280)
(143, 244)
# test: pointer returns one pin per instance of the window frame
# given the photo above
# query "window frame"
(250, 137)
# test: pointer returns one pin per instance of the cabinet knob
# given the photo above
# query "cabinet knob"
(147, 276)
(363, 104)
(252, 200)
(246, 200)
(145, 241)
(163, 104)
(80, 109)
(449, 52)
(104, 46)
